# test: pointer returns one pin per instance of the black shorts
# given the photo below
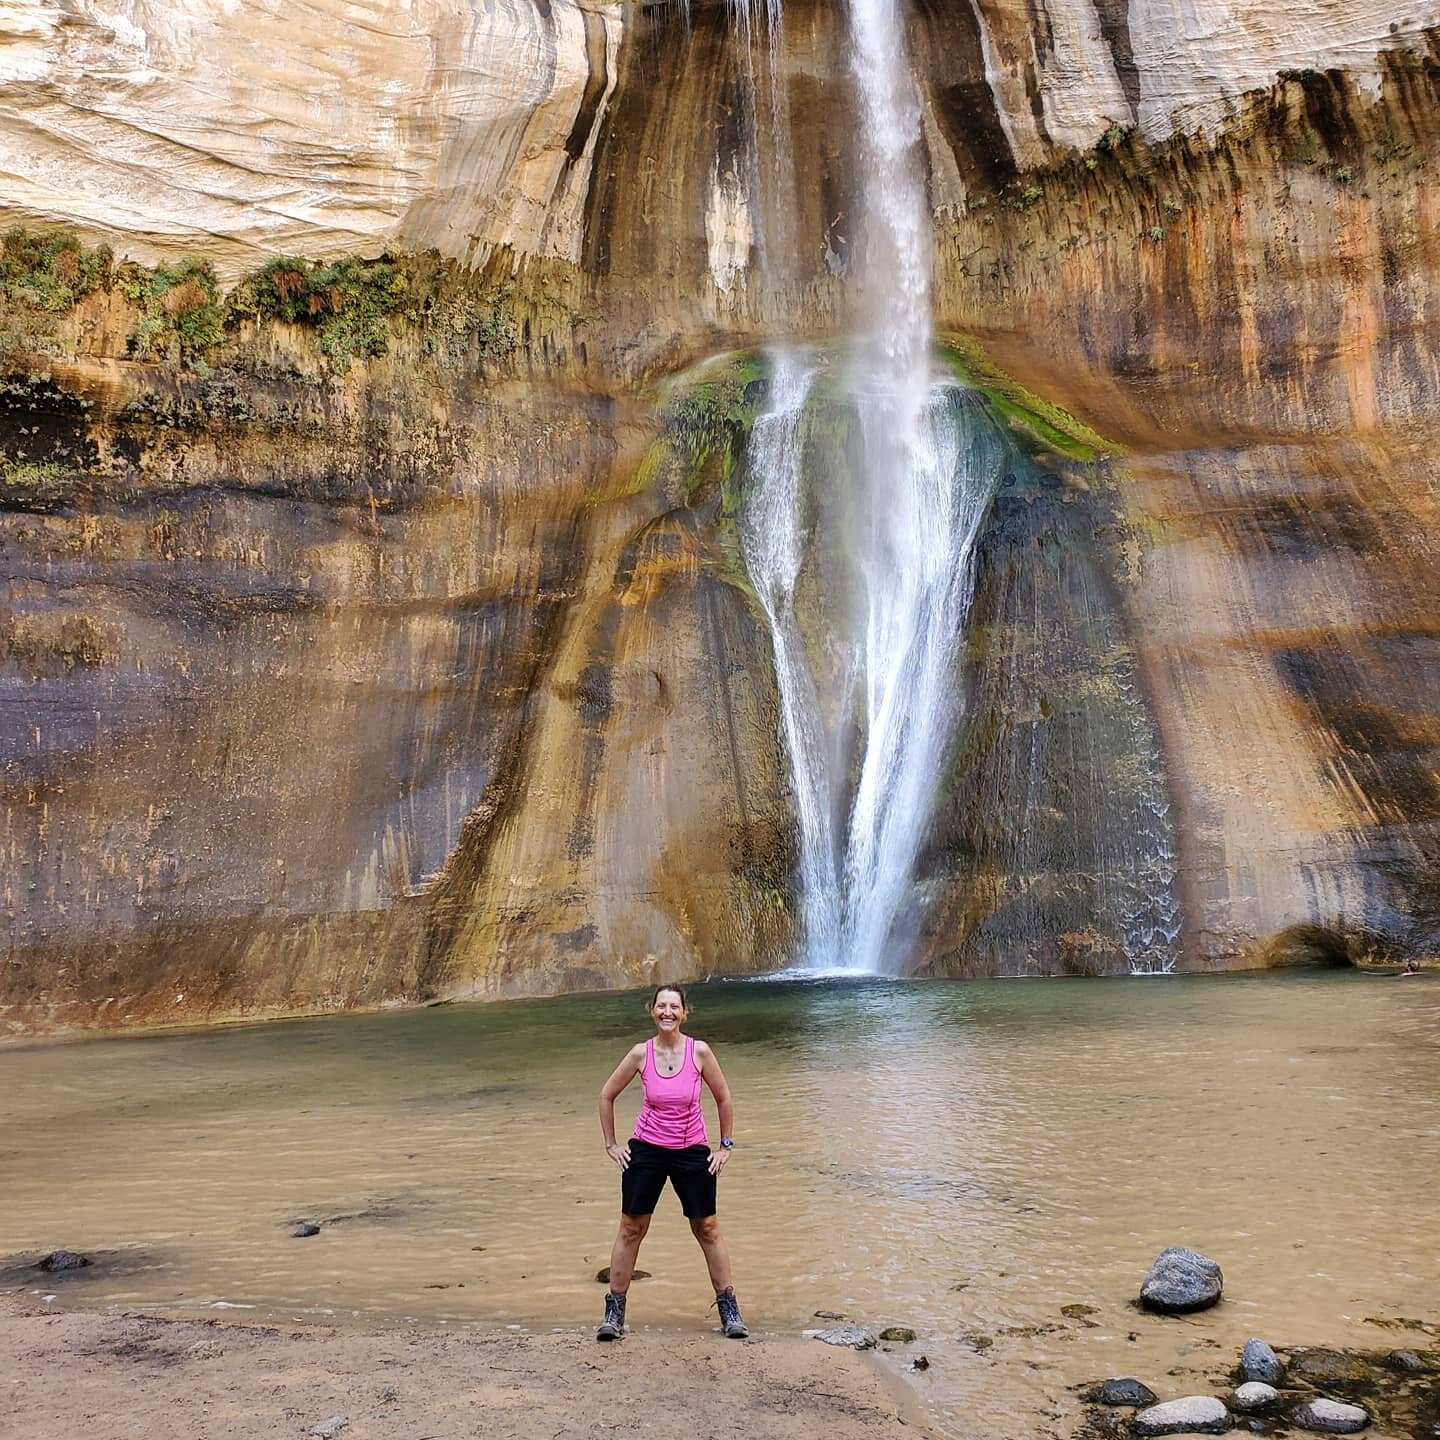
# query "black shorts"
(688, 1170)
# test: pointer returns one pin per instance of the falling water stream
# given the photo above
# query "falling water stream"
(922, 470)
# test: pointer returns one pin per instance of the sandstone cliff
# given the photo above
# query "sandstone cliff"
(366, 638)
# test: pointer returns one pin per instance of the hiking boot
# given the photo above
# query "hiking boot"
(612, 1327)
(735, 1328)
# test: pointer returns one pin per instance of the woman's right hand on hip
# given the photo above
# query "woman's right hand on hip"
(620, 1154)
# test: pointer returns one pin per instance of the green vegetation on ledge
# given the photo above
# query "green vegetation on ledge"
(178, 311)
(1047, 426)
(49, 272)
(181, 312)
(348, 301)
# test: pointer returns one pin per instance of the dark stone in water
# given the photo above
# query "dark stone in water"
(1404, 1360)
(1078, 1311)
(1181, 1281)
(305, 1229)
(1319, 1364)
(829, 1315)
(1259, 1362)
(920, 1362)
(64, 1260)
(900, 1334)
(1127, 1391)
(603, 1276)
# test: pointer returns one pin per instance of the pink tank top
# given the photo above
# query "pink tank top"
(671, 1113)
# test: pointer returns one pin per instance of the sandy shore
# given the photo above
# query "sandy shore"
(136, 1375)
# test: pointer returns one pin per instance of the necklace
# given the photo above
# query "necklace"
(673, 1060)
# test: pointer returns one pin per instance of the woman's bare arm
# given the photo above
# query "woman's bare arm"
(714, 1077)
(610, 1091)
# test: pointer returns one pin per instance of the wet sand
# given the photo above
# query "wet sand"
(137, 1375)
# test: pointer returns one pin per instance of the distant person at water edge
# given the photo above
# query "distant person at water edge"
(669, 1143)
(1412, 967)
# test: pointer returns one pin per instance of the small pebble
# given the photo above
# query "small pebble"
(304, 1230)
(920, 1362)
(1254, 1395)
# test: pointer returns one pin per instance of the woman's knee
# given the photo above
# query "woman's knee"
(633, 1227)
(706, 1228)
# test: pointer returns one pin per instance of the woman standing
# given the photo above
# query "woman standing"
(669, 1144)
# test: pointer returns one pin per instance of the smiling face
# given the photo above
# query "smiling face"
(667, 1010)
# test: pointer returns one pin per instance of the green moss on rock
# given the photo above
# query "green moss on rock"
(1045, 426)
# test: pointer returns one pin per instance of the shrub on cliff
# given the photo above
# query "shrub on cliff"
(347, 300)
(49, 272)
(182, 313)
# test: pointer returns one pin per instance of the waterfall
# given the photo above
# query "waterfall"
(773, 538)
(924, 468)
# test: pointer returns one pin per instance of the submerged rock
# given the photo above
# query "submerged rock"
(1126, 1391)
(1319, 1365)
(304, 1230)
(1330, 1417)
(900, 1334)
(855, 1337)
(58, 1260)
(1404, 1360)
(1190, 1415)
(603, 1276)
(1254, 1395)
(1181, 1281)
(1259, 1362)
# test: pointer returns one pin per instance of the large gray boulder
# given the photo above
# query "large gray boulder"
(1330, 1417)
(1180, 1281)
(1259, 1362)
(1190, 1415)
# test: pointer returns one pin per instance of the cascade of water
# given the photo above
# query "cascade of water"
(920, 490)
(774, 535)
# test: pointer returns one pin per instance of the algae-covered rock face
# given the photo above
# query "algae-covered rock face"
(375, 625)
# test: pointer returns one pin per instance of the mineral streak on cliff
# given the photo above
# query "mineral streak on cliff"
(403, 570)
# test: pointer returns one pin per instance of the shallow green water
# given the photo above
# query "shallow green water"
(961, 1158)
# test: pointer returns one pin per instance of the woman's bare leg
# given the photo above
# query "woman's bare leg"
(717, 1256)
(632, 1231)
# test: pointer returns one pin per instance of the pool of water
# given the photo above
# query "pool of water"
(962, 1158)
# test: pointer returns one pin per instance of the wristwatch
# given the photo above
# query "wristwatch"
(726, 1143)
